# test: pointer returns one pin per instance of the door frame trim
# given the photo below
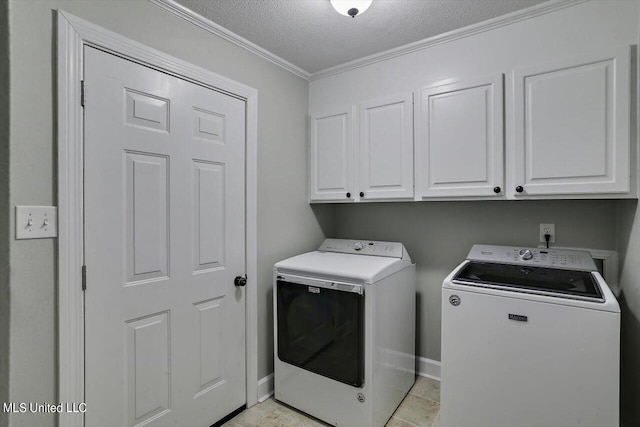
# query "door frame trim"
(73, 34)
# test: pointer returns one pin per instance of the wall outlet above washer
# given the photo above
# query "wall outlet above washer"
(548, 229)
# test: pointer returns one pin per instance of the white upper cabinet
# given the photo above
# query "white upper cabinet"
(459, 145)
(571, 126)
(376, 166)
(331, 155)
(386, 148)
(542, 106)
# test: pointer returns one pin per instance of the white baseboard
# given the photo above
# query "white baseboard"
(265, 388)
(429, 368)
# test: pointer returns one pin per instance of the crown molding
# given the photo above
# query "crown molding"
(520, 15)
(470, 30)
(177, 9)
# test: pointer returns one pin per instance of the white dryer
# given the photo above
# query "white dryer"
(530, 337)
(344, 321)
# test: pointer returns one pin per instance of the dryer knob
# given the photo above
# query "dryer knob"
(357, 246)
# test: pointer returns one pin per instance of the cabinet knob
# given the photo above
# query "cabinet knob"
(497, 190)
(362, 194)
(348, 195)
(519, 189)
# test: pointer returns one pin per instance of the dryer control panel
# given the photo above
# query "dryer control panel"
(553, 258)
(365, 247)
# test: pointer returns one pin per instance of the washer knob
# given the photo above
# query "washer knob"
(526, 254)
(357, 246)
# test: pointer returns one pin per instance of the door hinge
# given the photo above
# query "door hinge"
(83, 93)
(84, 277)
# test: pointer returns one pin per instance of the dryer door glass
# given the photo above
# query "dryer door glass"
(321, 330)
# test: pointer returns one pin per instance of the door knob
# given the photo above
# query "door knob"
(240, 281)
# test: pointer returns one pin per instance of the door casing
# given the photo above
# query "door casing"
(73, 34)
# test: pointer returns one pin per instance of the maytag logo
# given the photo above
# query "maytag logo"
(518, 317)
(314, 290)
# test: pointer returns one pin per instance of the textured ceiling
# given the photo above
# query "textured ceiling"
(314, 37)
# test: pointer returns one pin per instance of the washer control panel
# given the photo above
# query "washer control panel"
(554, 258)
(364, 247)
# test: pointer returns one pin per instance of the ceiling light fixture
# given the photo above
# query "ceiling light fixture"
(351, 7)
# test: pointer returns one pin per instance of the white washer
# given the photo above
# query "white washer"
(344, 319)
(530, 337)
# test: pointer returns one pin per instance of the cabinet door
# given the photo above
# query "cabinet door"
(460, 142)
(331, 155)
(572, 125)
(386, 148)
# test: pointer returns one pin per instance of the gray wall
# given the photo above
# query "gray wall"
(4, 206)
(629, 252)
(438, 236)
(286, 223)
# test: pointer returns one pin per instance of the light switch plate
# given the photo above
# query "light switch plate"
(36, 222)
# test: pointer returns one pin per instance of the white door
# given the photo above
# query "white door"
(386, 148)
(164, 239)
(460, 142)
(331, 151)
(572, 125)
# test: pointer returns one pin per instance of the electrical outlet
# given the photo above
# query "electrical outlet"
(548, 229)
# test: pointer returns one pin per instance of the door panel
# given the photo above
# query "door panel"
(572, 125)
(147, 216)
(210, 321)
(209, 217)
(149, 373)
(164, 238)
(146, 111)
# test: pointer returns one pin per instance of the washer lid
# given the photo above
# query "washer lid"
(342, 267)
(564, 283)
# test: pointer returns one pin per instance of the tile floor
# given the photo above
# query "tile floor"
(421, 408)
